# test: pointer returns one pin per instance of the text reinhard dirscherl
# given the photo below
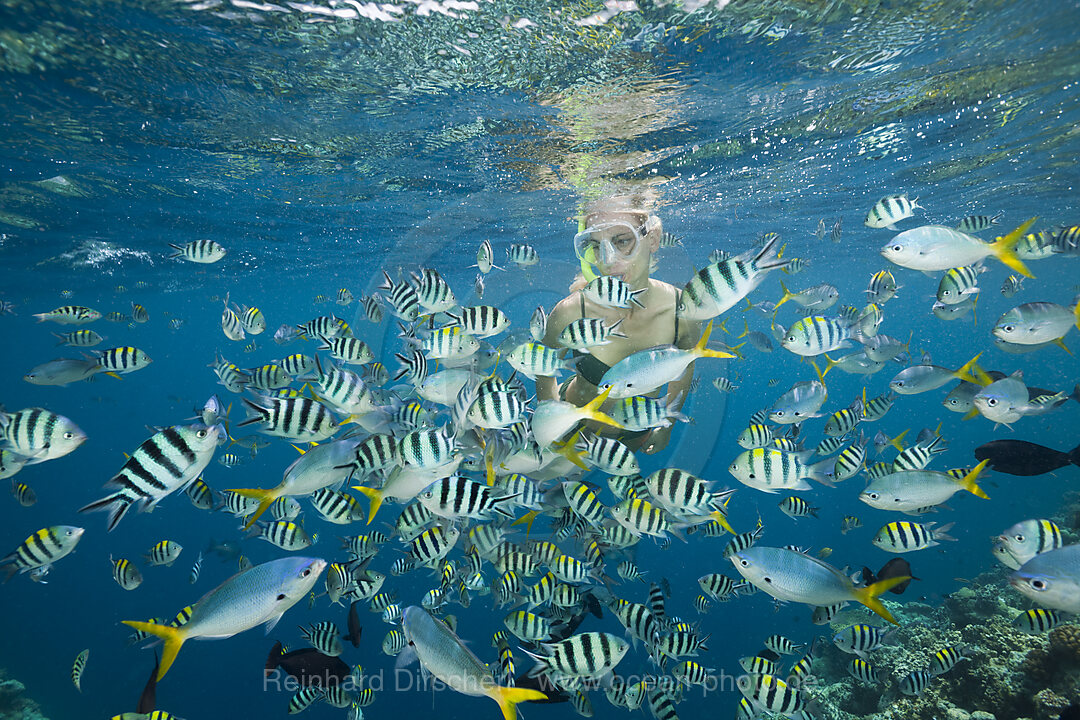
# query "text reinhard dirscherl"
(408, 680)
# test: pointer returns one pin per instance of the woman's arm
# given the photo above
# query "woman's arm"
(677, 390)
(547, 388)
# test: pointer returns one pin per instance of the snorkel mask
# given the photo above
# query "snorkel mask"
(605, 243)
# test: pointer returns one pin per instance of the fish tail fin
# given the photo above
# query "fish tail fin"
(527, 519)
(1076, 314)
(266, 498)
(701, 351)
(1060, 342)
(1004, 249)
(968, 481)
(942, 533)
(868, 595)
(568, 449)
(1074, 455)
(591, 410)
(783, 298)
(721, 517)
(171, 636)
(745, 332)
(489, 465)
(375, 497)
(898, 441)
(964, 373)
(704, 340)
(509, 697)
(820, 375)
(829, 365)
(116, 505)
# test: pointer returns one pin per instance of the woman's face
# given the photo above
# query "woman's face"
(629, 245)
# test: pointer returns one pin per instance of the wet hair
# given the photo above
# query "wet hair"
(640, 203)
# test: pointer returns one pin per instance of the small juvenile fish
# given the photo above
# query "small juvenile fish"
(977, 223)
(79, 338)
(612, 292)
(70, 315)
(164, 553)
(915, 682)
(890, 210)
(1011, 285)
(522, 255)
(199, 251)
(126, 574)
(78, 667)
(959, 284)
(1037, 621)
(882, 287)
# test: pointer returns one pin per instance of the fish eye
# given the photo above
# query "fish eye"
(872, 496)
(305, 572)
(991, 402)
(1038, 584)
(897, 248)
(201, 433)
(779, 413)
(69, 435)
(767, 579)
(947, 293)
(898, 383)
(281, 596)
(1007, 328)
(1019, 538)
(744, 563)
(791, 338)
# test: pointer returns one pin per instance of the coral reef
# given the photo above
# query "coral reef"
(1006, 674)
(14, 704)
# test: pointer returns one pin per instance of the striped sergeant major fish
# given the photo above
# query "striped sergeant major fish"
(718, 287)
(199, 251)
(444, 655)
(70, 315)
(589, 655)
(890, 210)
(771, 694)
(38, 435)
(122, 360)
(301, 419)
(41, 550)
(403, 300)
(977, 223)
(167, 461)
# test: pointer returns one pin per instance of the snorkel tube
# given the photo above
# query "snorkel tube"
(587, 262)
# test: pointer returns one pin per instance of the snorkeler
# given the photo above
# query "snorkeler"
(618, 239)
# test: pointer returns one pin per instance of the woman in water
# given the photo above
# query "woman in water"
(619, 238)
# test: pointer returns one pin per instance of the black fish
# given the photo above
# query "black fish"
(1018, 457)
(355, 629)
(897, 567)
(308, 666)
(148, 699)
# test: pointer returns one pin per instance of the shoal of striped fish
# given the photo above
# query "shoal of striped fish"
(469, 459)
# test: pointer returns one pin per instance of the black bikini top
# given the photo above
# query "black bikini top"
(590, 368)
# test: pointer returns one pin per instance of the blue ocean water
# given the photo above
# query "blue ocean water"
(323, 143)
